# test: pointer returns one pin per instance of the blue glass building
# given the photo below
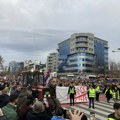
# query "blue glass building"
(83, 52)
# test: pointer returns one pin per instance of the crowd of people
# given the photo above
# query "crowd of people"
(22, 102)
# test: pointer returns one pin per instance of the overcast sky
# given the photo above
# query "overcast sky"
(31, 29)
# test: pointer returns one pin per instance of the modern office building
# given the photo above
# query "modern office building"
(52, 62)
(33, 65)
(15, 67)
(83, 52)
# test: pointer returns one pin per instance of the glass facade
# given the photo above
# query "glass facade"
(80, 61)
(64, 51)
(101, 54)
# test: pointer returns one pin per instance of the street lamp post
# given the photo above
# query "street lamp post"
(116, 50)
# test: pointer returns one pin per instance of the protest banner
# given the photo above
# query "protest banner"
(63, 97)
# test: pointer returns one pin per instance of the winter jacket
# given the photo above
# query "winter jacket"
(22, 112)
(4, 100)
(37, 116)
(10, 112)
(57, 118)
(21, 98)
(112, 117)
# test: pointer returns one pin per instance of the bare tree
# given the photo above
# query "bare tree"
(114, 69)
(1, 65)
(1, 60)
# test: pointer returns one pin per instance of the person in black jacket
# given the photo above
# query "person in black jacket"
(25, 107)
(4, 98)
(108, 93)
(115, 115)
(38, 112)
(53, 89)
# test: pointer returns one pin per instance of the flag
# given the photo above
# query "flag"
(47, 77)
(47, 81)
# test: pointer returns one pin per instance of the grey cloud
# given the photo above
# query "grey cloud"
(29, 26)
(31, 41)
(66, 14)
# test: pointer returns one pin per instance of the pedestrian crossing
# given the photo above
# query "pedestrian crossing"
(102, 109)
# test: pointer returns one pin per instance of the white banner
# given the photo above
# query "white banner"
(81, 94)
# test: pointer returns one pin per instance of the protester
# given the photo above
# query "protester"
(4, 97)
(91, 97)
(10, 109)
(17, 90)
(25, 107)
(22, 96)
(108, 93)
(59, 114)
(71, 92)
(38, 112)
(114, 95)
(116, 114)
(53, 88)
(97, 88)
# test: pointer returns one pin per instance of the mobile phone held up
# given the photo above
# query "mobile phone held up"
(92, 115)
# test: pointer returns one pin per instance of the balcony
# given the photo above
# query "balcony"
(81, 39)
(81, 45)
(106, 46)
(82, 51)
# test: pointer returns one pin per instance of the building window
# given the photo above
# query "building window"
(83, 59)
(90, 49)
(83, 65)
(73, 60)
